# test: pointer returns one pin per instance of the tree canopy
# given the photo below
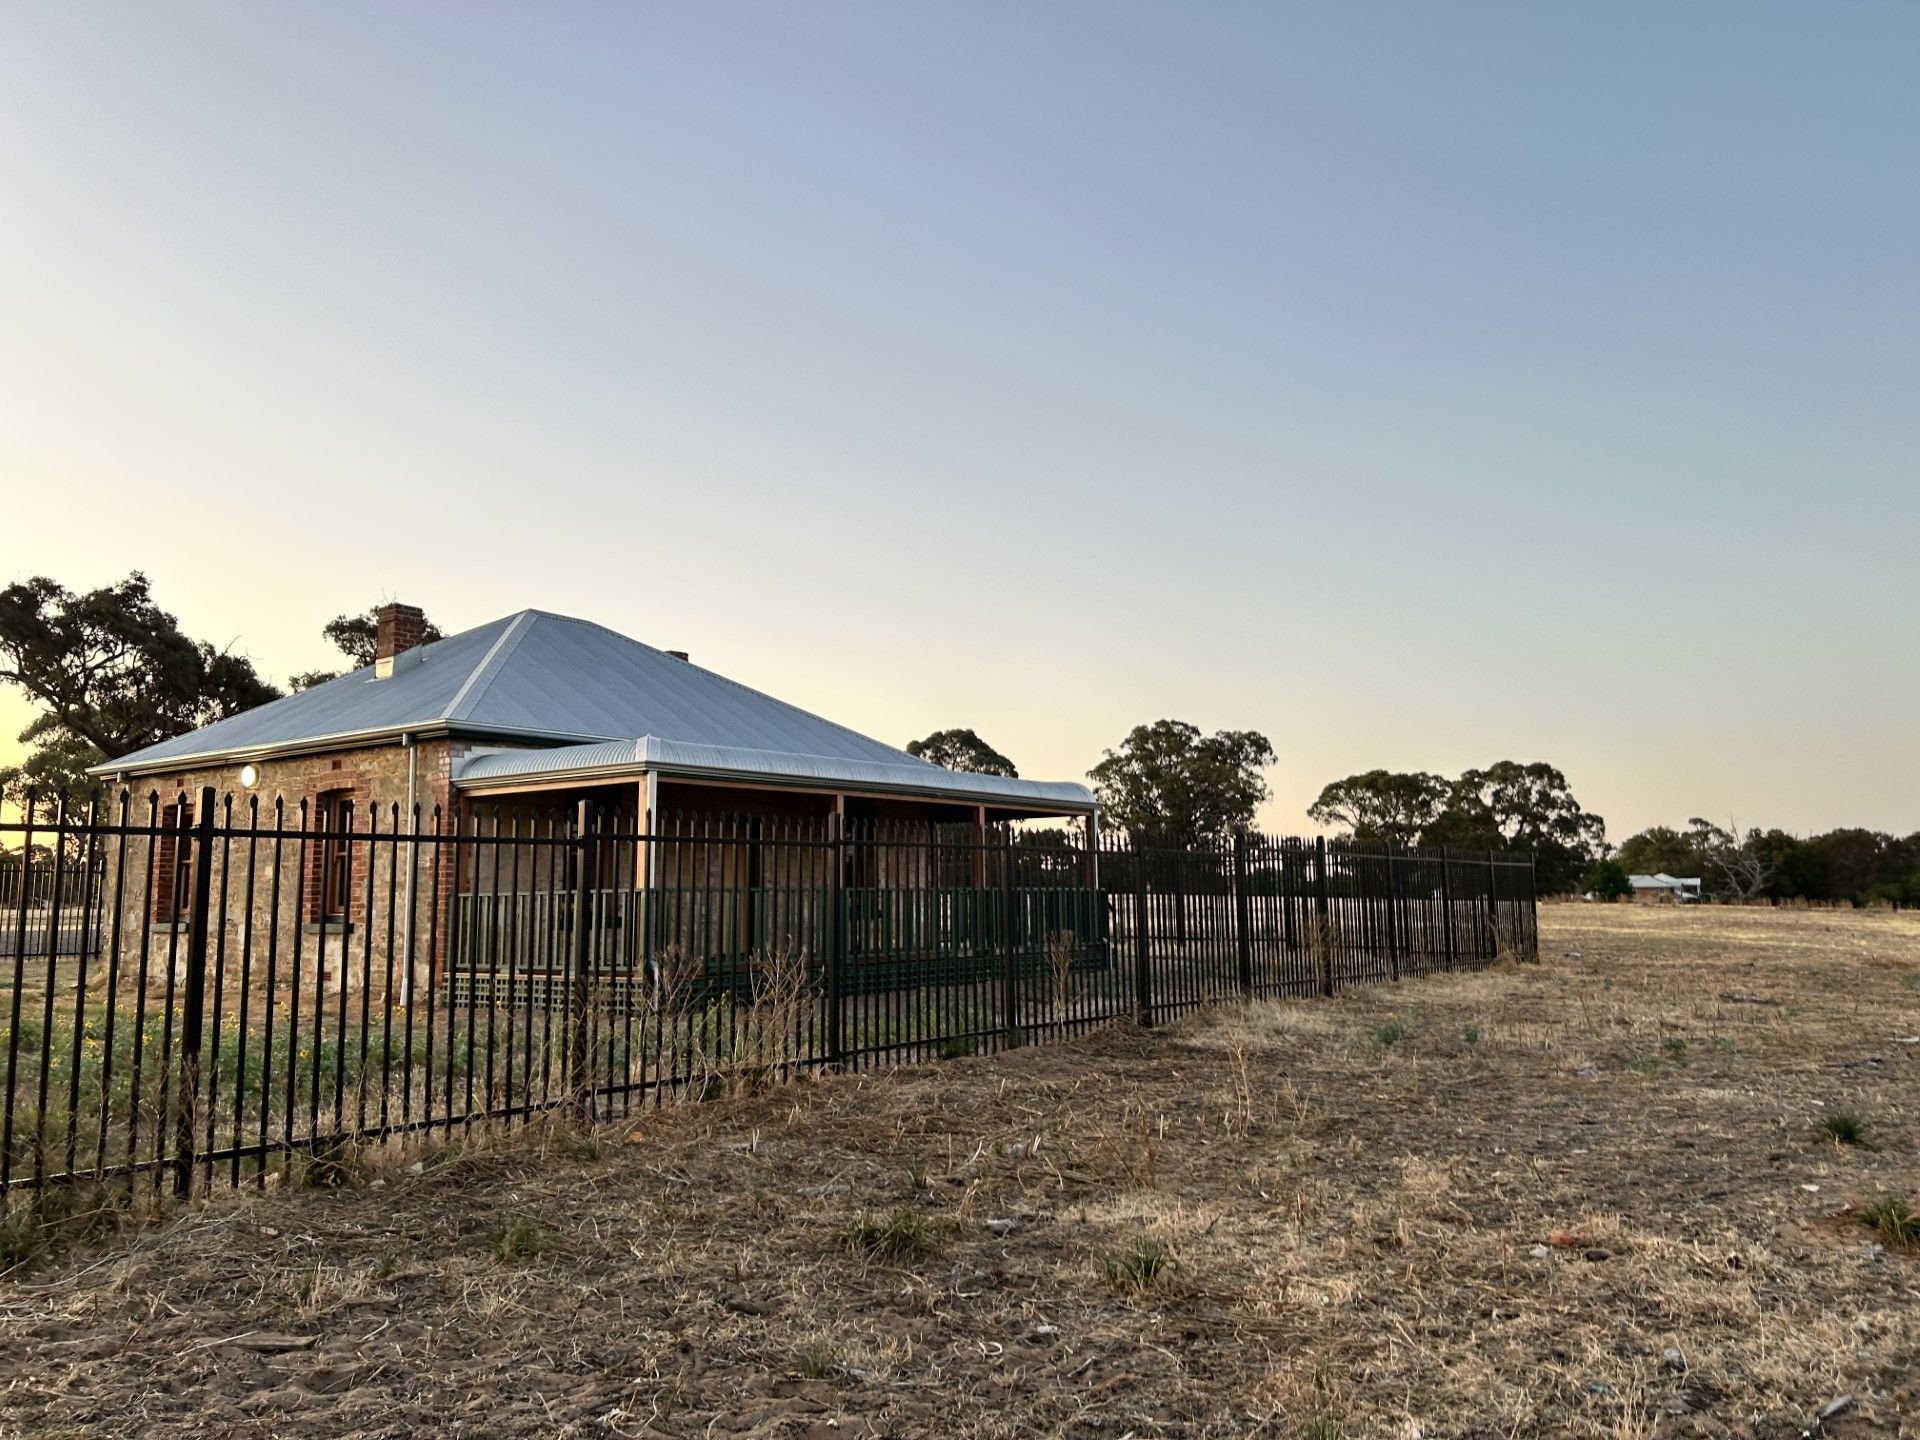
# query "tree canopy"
(962, 750)
(1661, 849)
(1608, 881)
(1507, 806)
(111, 673)
(1383, 805)
(355, 636)
(1169, 780)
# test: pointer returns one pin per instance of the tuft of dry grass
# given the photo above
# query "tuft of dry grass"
(897, 1238)
(1845, 1127)
(1893, 1219)
(517, 1238)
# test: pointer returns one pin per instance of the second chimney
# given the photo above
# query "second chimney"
(401, 628)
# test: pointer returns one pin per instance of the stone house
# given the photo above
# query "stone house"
(342, 807)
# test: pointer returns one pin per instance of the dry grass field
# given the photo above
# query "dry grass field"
(1597, 1197)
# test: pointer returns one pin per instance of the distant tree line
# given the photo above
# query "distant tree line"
(1861, 867)
(1168, 780)
(111, 672)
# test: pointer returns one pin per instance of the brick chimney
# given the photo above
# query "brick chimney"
(401, 629)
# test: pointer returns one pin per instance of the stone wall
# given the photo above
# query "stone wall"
(267, 883)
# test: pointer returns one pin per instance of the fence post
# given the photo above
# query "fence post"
(1446, 902)
(195, 997)
(1493, 907)
(1142, 964)
(1009, 948)
(1098, 901)
(1289, 894)
(1242, 913)
(1393, 917)
(1322, 915)
(579, 1076)
(836, 938)
(1533, 906)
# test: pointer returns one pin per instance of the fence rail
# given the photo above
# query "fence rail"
(256, 984)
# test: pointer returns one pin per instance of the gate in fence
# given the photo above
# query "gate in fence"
(252, 983)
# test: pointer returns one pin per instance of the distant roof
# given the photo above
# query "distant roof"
(1661, 881)
(546, 679)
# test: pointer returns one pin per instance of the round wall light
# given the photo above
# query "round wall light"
(249, 776)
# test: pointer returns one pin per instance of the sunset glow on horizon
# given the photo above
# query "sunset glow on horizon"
(1420, 386)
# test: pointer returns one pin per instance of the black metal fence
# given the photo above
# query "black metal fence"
(28, 883)
(264, 984)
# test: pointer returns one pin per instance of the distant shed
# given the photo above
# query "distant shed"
(1664, 889)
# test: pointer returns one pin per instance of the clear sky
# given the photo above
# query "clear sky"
(1420, 384)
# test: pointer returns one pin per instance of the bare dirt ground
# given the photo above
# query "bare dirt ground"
(1592, 1197)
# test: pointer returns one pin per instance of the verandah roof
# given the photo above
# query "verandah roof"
(595, 764)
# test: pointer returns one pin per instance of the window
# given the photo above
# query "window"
(173, 885)
(334, 818)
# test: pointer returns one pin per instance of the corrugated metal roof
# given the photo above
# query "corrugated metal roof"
(537, 676)
(674, 757)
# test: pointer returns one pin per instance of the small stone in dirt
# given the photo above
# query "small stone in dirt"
(1599, 1387)
(1002, 1227)
(1874, 1249)
(266, 1343)
(1041, 1333)
(1539, 1252)
(1588, 1072)
(1839, 1404)
(1596, 1253)
(418, 1167)
(376, 1184)
(1673, 1359)
(1811, 1189)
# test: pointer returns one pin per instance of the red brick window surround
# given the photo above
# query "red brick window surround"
(172, 897)
(331, 859)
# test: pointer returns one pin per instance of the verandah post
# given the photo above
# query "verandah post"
(579, 1042)
(195, 998)
(1242, 914)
